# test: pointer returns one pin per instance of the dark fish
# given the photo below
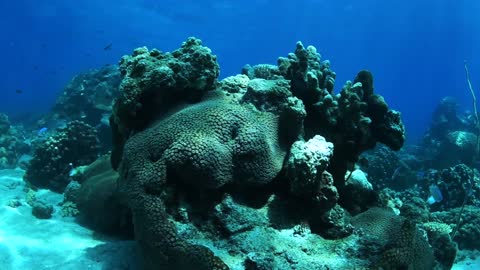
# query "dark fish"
(43, 45)
(108, 47)
(18, 91)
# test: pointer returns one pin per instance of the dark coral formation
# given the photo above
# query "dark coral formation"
(183, 141)
(75, 145)
(354, 121)
(41, 210)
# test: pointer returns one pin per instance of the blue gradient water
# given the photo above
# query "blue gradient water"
(415, 49)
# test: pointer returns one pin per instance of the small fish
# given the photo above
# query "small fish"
(420, 174)
(19, 91)
(42, 132)
(396, 173)
(74, 170)
(435, 195)
(108, 47)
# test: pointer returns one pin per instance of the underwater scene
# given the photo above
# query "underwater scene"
(242, 135)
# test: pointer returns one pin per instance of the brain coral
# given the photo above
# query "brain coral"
(205, 145)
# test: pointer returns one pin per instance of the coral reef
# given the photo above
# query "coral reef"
(451, 138)
(89, 96)
(468, 235)
(184, 143)
(304, 167)
(75, 145)
(12, 144)
(394, 170)
(454, 183)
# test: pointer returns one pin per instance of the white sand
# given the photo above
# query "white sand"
(57, 243)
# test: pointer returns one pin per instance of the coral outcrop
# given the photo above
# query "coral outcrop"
(190, 149)
(354, 121)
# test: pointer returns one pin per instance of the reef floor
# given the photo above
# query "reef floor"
(27, 242)
(56, 243)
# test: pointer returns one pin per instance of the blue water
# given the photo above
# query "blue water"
(415, 49)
